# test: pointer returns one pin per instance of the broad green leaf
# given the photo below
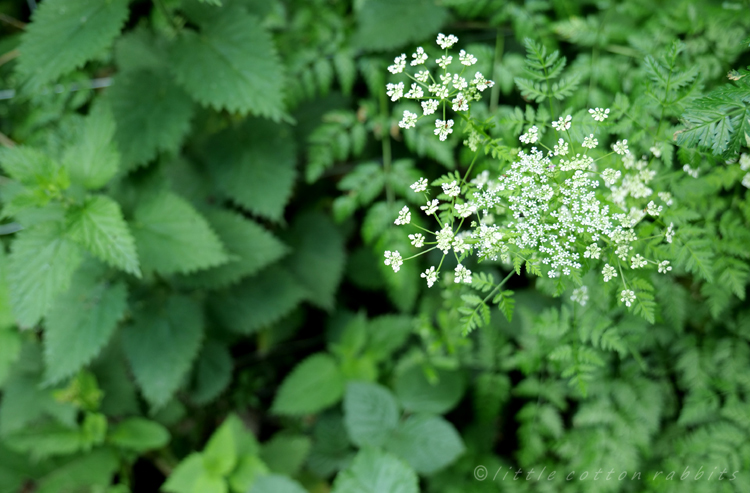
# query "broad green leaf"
(138, 434)
(213, 372)
(254, 165)
(331, 451)
(387, 334)
(92, 160)
(152, 113)
(28, 165)
(173, 237)
(388, 24)
(231, 64)
(161, 345)
(185, 475)
(220, 454)
(80, 324)
(417, 394)
(210, 483)
(315, 384)
(40, 266)
(249, 469)
(46, 439)
(251, 246)
(25, 402)
(65, 34)
(285, 454)
(94, 469)
(370, 413)
(374, 471)
(258, 301)
(100, 228)
(427, 443)
(10, 348)
(274, 483)
(319, 257)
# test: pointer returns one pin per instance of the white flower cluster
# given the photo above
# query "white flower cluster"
(453, 90)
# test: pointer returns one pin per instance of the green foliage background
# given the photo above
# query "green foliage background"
(195, 200)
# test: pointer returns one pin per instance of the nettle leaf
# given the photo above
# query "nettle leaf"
(232, 64)
(427, 443)
(80, 324)
(286, 454)
(319, 257)
(251, 246)
(28, 165)
(315, 384)
(417, 394)
(274, 483)
(92, 470)
(152, 113)
(254, 165)
(370, 413)
(258, 301)
(93, 158)
(213, 372)
(138, 434)
(388, 24)
(173, 237)
(40, 267)
(99, 227)
(161, 345)
(374, 471)
(66, 34)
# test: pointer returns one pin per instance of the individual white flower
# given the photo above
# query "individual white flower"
(419, 185)
(422, 76)
(394, 260)
(621, 147)
(395, 91)
(592, 251)
(745, 162)
(451, 189)
(417, 240)
(446, 41)
(459, 246)
(462, 275)
(637, 262)
(531, 136)
(404, 216)
(441, 92)
(561, 148)
(599, 114)
(652, 209)
(481, 82)
(622, 252)
(465, 210)
(608, 272)
(431, 207)
(409, 120)
(415, 92)
(459, 82)
(562, 124)
(466, 58)
(429, 106)
(460, 103)
(670, 233)
(419, 57)
(430, 276)
(399, 64)
(444, 239)
(445, 61)
(664, 267)
(666, 197)
(580, 295)
(590, 142)
(627, 296)
(446, 78)
(611, 176)
(443, 128)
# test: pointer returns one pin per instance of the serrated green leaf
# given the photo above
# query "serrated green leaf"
(319, 257)
(417, 394)
(374, 471)
(184, 477)
(286, 454)
(91, 470)
(40, 266)
(63, 35)
(249, 469)
(370, 413)
(80, 324)
(388, 24)
(92, 160)
(213, 372)
(220, 454)
(315, 384)
(251, 246)
(99, 227)
(161, 345)
(152, 113)
(173, 237)
(138, 434)
(246, 75)
(274, 483)
(254, 165)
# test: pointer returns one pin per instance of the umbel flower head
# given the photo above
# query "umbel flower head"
(452, 87)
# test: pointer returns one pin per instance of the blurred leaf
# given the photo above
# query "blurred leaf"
(315, 384)
(374, 471)
(427, 443)
(370, 413)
